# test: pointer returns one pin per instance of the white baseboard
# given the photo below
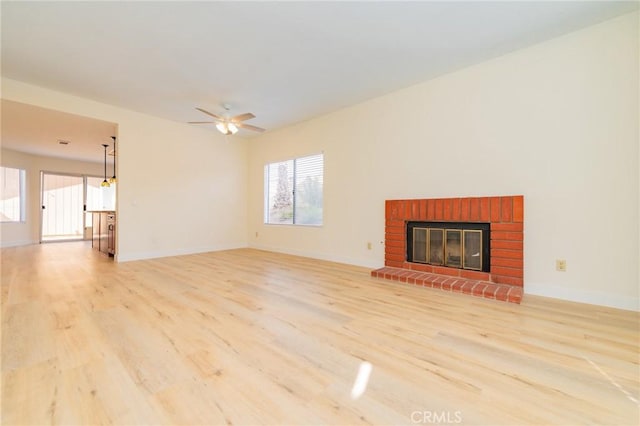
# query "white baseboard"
(129, 257)
(583, 296)
(6, 244)
(366, 263)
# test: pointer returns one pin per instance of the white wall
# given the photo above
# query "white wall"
(181, 189)
(28, 232)
(557, 122)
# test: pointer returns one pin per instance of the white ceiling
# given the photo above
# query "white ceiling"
(36, 130)
(284, 61)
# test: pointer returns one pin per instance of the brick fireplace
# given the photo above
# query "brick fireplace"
(505, 218)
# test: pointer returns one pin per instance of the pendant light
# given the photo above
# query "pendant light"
(112, 179)
(105, 182)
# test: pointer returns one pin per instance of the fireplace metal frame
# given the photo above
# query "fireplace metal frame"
(483, 228)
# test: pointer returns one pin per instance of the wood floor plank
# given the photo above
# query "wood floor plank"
(250, 337)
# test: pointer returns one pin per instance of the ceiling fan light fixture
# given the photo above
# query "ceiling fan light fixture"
(228, 125)
(227, 128)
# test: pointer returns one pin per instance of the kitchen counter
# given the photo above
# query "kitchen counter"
(104, 231)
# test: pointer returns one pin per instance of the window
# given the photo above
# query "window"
(12, 194)
(293, 191)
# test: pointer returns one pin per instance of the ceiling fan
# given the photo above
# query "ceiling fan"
(229, 125)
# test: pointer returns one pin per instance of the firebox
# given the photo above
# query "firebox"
(451, 244)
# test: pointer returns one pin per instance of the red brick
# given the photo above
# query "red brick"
(397, 210)
(484, 209)
(395, 237)
(490, 291)
(393, 263)
(439, 210)
(510, 236)
(440, 278)
(478, 289)
(419, 278)
(518, 208)
(467, 288)
(395, 257)
(446, 284)
(474, 209)
(502, 293)
(495, 209)
(402, 276)
(464, 209)
(427, 282)
(421, 267)
(515, 295)
(446, 209)
(406, 265)
(511, 245)
(434, 284)
(506, 209)
(431, 210)
(457, 287)
(474, 275)
(394, 250)
(389, 272)
(506, 227)
(510, 254)
(511, 263)
(507, 272)
(395, 226)
(442, 270)
(414, 210)
(423, 210)
(388, 204)
(455, 209)
(394, 243)
(507, 280)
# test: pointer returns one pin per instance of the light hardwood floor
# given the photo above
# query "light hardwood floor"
(251, 337)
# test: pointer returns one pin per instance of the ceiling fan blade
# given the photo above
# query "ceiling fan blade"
(250, 127)
(217, 117)
(242, 117)
(200, 122)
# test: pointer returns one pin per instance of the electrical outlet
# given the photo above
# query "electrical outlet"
(256, 234)
(369, 246)
(561, 265)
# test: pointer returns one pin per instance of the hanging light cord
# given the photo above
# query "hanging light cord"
(115, 154)
(105, 183)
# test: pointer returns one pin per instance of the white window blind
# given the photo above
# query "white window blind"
(294, 191)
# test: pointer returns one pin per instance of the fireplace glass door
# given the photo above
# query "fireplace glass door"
(420, 245)
(453, 248)
(472, 249)
(453, 245)
(436, 246)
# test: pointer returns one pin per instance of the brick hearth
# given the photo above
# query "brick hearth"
(488, 290)
(504, 281)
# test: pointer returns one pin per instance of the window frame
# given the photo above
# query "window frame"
(22, 195)
(294, 183)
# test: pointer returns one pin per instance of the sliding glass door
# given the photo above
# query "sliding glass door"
(62, 207)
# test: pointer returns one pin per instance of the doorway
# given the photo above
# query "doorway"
(67, 200)
(62, 197)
